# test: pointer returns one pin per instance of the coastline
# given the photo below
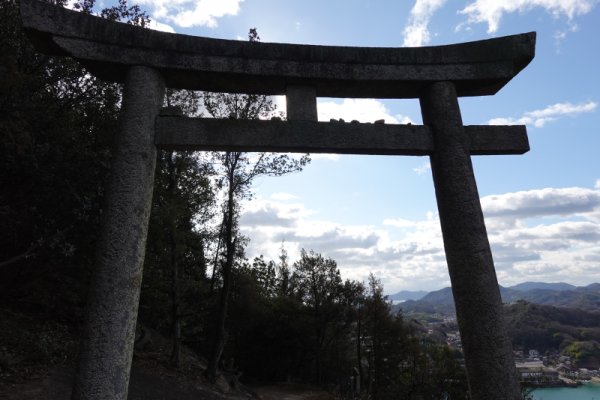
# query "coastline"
(585, 391)
(562, 382)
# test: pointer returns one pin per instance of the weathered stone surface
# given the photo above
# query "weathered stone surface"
(180, 133)
(107, 343)
(106, 48)
(497, 139)
(487, 348)
(301, 102)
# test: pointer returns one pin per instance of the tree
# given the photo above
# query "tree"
(237, 172)
(283, 274)
(384, 338)
(56, 123)
(182, 207)
(401, 359)
(319, 286)
(175, 263)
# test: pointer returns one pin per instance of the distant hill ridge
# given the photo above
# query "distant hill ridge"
(555, 294)
(408, 295)
(526, 286)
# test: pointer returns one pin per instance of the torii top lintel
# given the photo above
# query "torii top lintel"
(107, 48)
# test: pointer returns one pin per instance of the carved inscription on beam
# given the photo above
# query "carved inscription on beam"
(179, 133)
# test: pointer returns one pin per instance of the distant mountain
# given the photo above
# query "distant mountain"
(593, 286)
(583, 297)
(407, 295)
(526, 286)
(436, 302)
(442, 296)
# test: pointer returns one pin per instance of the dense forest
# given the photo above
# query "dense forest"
(548, 329)
(263, 320)
(552, 321)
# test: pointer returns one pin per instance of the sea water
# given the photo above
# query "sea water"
(589, 391)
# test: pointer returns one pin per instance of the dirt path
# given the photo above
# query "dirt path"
(286, 391)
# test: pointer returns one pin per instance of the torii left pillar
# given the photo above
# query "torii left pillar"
(107, 345)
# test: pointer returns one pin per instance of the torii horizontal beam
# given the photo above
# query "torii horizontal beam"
(180, 133)
(107, 49)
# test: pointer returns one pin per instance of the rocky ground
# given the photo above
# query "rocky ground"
(290, 392)
(154, 383)
(147, 383)
(37, 362)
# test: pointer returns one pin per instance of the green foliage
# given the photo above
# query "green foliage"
(56, 125)
(583, 352)
(178, 237)
(547, 328)
(321, 329)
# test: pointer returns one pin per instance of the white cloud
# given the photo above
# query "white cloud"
(416, 32)
(539, 118)
(325, 156)
(188, 13)
(546, 234)
(549, 233)
(559, 35)
(492, 11)
(542, 203)
(157, 26)
(362, 110)
(71, 4)
(421, 169)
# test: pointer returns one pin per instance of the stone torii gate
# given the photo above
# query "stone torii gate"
(148, 61)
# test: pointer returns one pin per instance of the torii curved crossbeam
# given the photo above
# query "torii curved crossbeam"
(190, 62)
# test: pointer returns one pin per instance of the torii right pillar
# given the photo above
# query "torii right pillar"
(487, 348)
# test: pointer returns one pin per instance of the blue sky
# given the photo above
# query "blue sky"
(378, 214)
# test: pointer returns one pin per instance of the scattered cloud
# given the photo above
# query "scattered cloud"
(71, 4)
(542, 203)
(539, 118)
(325, 156)
(189, 13)
(157, 26)
(540, 233)
(416, 32)
(362, 110)
(421, 169)
(560, 34)
(548, 234)
(492, 11)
